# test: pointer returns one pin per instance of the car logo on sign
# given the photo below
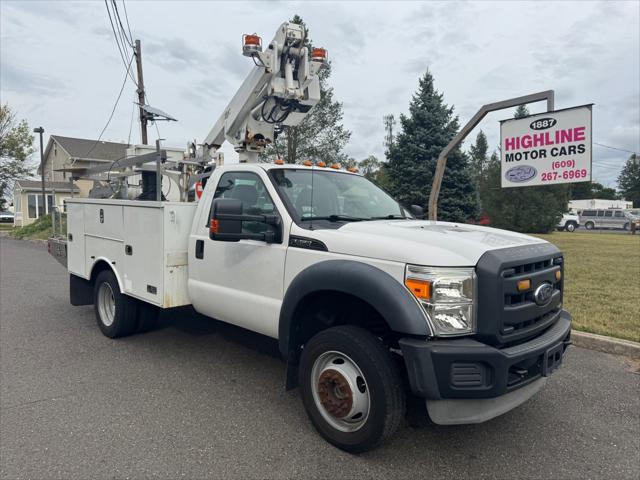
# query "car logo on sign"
(521, 173)
(543, 294)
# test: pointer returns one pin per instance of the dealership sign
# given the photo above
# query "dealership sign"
(547, 148)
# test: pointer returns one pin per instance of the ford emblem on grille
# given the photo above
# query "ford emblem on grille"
(543, 294)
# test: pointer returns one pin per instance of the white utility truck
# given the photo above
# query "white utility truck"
(374, 308)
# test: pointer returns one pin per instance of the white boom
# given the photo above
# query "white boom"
(280, 90)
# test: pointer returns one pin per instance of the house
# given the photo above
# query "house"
(27, 199)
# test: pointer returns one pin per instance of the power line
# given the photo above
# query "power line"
(614, 148)
(121, 49)
(122, 30)
(124, 6)
(115, 105)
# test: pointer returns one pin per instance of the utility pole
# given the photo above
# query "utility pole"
(143, 117)
(40, 130)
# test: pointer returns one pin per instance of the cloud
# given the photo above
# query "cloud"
(174, 54)
(18, 79)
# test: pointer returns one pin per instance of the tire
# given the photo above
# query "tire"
(570, 227)
(116, 314)
(589, 225)
(374, 403)
(625, 226)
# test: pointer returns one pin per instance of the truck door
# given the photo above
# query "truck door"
(239, 282)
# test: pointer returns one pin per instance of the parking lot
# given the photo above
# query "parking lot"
(198, 398)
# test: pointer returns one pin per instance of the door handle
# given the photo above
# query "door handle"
(199, 248)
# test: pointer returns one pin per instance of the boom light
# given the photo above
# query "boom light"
(251, 44)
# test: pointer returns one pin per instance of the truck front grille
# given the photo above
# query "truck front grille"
(505, 315)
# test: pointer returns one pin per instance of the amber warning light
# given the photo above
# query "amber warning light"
(319, 55)
(251, 44)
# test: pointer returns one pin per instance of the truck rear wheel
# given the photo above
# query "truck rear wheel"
(116, 314)
(351, 388)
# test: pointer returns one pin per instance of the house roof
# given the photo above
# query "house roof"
(36, 185)
(89, 149)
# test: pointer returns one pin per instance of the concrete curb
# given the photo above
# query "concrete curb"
(601, 343)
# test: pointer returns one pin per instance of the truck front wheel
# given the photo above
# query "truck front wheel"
(351, 388)
(116, 313)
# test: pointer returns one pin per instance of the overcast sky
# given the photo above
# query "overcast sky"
(60, 67)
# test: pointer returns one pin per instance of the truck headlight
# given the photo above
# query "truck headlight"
(448, 296)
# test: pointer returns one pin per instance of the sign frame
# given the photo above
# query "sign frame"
(589, 178)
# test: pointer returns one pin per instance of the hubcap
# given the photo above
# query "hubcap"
(106, 304)
(340, 391)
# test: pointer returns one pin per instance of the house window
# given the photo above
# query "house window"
(35, 205)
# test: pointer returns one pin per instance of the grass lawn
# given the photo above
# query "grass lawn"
(6, 226)
(602, 282)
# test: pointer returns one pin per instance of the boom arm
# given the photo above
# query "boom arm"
(281, 89)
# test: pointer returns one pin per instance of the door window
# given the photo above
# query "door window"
(251, 191)
(600, 213)
(608, 213)
(619, 214)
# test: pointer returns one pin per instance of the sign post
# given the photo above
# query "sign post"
(547, 148)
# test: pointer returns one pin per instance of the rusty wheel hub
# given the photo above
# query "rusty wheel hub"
(340, 391)
(335, 394)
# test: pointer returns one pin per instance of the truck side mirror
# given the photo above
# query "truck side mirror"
(221, 229)
(417, 211)
(226, 220)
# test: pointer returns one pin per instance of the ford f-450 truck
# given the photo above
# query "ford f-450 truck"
(370, 306)
(373, 308)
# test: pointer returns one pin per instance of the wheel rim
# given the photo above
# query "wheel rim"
(106, 304)
(340, 391)
(571, 227)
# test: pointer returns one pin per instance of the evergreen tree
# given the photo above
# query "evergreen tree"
(524, 209)
(478, 153)
(413, 155)
(321, 135)
(16, 144)
(629, 180)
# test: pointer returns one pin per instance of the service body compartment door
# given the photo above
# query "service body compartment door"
(143, 253)
(104, 221)
(75, 240)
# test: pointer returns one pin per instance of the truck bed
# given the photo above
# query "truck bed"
(144, 242)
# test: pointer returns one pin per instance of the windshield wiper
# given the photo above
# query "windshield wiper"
(389, 217)
(334, 218)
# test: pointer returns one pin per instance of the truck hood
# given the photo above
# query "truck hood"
(419, 242)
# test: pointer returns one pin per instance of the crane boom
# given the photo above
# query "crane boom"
(281, 89)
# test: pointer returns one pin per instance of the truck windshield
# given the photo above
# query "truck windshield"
(333, 196)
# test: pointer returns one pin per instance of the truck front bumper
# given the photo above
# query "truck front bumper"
(466, 381)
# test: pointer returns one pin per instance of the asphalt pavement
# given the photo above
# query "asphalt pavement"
(200, 399)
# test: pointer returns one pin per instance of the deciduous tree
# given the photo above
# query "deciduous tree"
(16, 144)
(629, 180)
